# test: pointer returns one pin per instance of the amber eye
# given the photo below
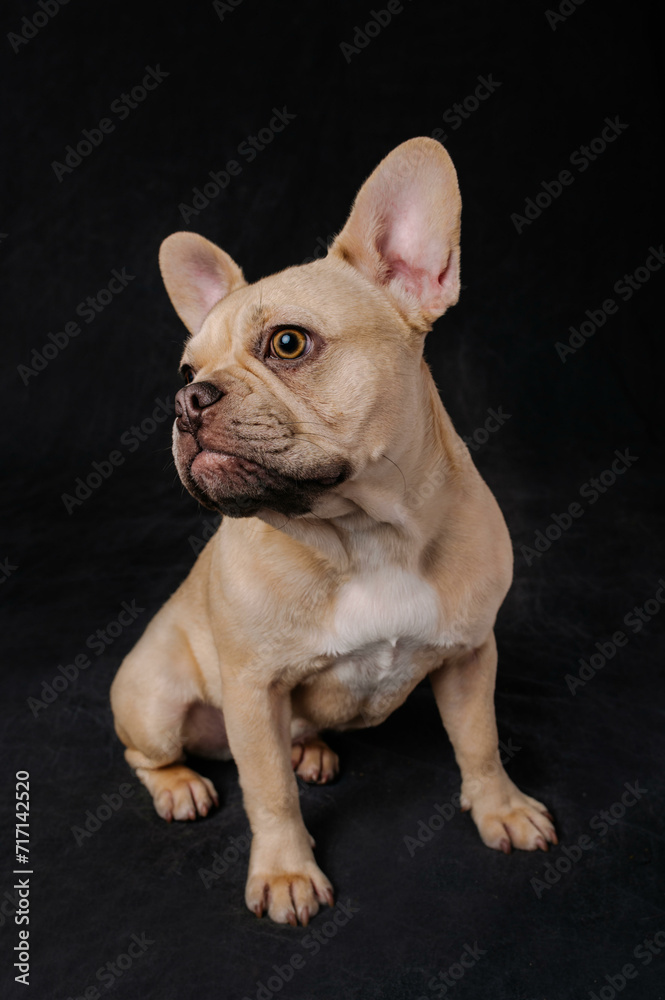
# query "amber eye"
(289, 344)
(187, 374)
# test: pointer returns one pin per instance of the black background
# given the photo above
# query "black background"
(131, 540)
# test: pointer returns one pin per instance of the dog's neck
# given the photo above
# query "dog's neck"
(397, 504)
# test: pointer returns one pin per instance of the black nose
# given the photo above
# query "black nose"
(191, 401)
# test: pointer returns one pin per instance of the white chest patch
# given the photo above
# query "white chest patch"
(388, 630)
(384, 607)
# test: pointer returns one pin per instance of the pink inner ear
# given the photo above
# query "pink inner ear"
(209, 280)
(416, 280)
(407, 244)
(412, 251)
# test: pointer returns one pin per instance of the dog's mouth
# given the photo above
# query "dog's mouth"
(238, 486)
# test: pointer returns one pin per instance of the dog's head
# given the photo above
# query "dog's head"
(300, 381)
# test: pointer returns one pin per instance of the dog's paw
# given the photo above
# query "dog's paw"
(289, 897)
(178, 792)
(314, 761)
(508, 818)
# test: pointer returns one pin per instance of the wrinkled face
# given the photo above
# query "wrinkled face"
(294, 385)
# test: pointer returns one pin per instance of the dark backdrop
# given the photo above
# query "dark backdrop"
(417, 892)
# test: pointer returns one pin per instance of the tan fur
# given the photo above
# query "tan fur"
(326, 618)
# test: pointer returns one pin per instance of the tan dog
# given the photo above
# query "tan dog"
(336, 582)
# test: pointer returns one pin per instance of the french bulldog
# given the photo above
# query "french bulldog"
(338, 578)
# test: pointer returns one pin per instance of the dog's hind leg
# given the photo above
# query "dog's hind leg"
(316, 707)
(153, 696)
(177, 791)
(313, 760)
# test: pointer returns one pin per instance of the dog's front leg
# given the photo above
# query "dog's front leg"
(283, 878)
(505, 816)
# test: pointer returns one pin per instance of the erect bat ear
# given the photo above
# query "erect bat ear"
(197, 275)
(404, 228)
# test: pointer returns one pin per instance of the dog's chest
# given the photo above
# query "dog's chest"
(387, 630)
(384, 606)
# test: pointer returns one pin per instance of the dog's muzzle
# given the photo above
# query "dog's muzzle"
(217, 470)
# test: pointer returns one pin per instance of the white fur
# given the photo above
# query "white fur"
(385, 606)
(382, 620)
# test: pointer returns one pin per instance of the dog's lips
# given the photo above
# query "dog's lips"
(239, 486)
(225, 474)
(220, 463)
(211, 466)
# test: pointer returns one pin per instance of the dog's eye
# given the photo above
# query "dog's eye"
(187, 374)
(288, 344)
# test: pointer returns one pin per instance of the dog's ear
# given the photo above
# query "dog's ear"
(197, 274)
(404, 228)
